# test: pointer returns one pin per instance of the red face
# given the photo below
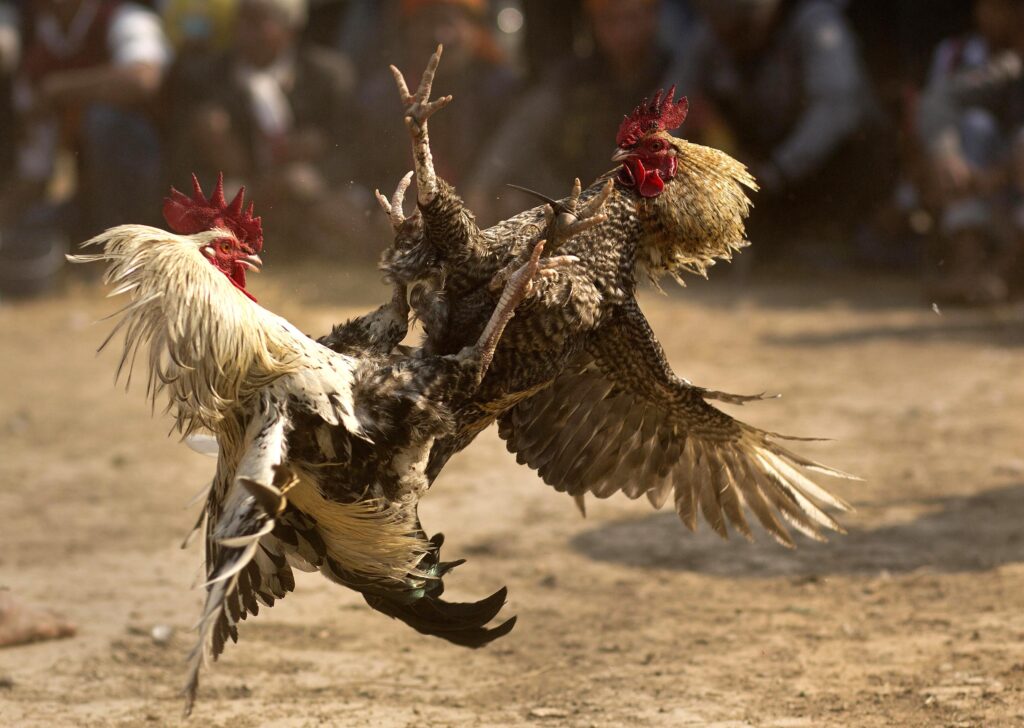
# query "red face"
(648, 164)
(233, 258)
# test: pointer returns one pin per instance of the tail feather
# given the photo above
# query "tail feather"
(418, 604)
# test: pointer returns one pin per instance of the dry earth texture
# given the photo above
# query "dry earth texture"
(916, 618)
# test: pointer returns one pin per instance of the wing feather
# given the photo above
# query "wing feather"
(587, 433)
(241, 512)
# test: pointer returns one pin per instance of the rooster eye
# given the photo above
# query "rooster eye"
(656, 146)
(225, 247)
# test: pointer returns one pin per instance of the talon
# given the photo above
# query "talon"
(560, 261)
(538, 249)
(393, 207)
(403, 88)
(597, 202)
(577, 190)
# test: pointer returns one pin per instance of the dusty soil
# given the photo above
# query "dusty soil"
(914, 618)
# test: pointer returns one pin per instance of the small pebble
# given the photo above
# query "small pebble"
(548, 713)
(162, 633)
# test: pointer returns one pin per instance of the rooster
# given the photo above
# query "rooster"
(322, 447)
(580, 386)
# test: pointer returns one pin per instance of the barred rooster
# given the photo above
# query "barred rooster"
(580, 386)
(322, 453)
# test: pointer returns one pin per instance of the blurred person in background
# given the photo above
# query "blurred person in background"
(87, 76)
(566, 125)
(275, 115)
(10, 53)
(972, 126)
(199, 26)
(475, 71)
(785, 81)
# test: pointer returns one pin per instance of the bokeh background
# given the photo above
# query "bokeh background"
(881, 295)
(885, 135)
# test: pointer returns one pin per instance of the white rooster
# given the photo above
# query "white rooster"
(322, 453)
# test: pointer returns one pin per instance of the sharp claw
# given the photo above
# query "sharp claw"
(393, 207)
(427, 81)
(538, 249)
(597, 202)
(561, 261)
(397, 199)
(581, 226)
(403, 88)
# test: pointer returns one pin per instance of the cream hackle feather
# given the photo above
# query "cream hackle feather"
(209, 345)
(698, 218)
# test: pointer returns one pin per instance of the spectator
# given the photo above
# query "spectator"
(971, 120)
(786, 79)
(199, 26)
(10, 54)
(275, 115)
(474, 71)
(89, 70)
(566, 126)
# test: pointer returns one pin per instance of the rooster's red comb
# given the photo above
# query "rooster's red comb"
(661, 113)
(189, 215)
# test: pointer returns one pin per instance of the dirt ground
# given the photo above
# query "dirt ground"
(915, 618)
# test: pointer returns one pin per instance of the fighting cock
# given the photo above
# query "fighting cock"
(322, 453)
(580, 386)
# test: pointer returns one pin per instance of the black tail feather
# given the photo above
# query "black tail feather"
(461, 623)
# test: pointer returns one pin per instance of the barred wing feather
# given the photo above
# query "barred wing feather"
(586, 433)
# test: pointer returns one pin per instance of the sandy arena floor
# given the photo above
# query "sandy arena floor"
(916, 618)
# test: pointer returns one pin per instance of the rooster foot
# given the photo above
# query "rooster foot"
(564, 219)
(418, 106)
(548, 269)
(569, 218)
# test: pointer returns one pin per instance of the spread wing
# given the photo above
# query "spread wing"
(618, 419)
(245, 564)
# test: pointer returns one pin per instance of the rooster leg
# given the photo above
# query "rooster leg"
(518, 287)
(418, 109)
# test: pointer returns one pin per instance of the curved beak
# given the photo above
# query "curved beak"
(252, 263)
(621, 155)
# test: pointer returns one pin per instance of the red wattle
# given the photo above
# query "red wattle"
(238, 279)
(652, 184)
(649, 183)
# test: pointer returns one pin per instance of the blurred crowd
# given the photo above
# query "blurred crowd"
(885, 134)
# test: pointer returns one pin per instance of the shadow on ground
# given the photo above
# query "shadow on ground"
(961, 534)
